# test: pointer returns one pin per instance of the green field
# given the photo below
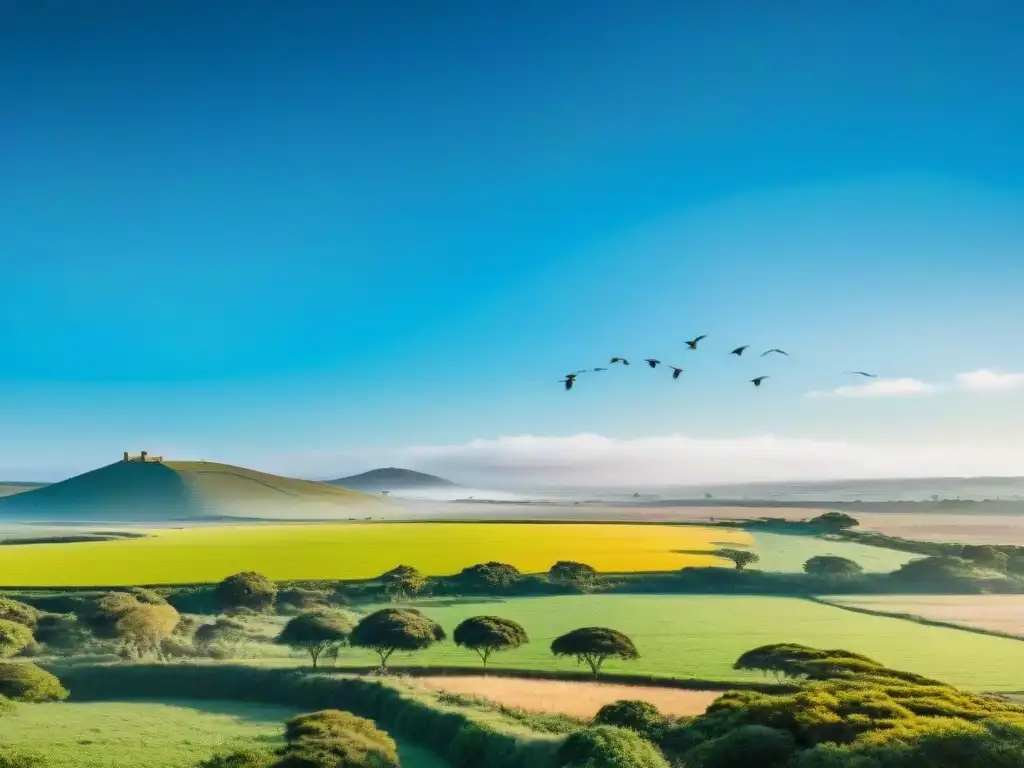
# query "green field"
(155, 735)
(355, 551)
(701, 636)
(780, 552)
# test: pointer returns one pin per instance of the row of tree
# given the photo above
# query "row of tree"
(406, 629)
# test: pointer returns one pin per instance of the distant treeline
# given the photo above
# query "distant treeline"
(974, 506)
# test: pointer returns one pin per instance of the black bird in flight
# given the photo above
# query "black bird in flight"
(652, 362)
(569, 380)
(777, 351)
(598, 369)
(757, 382)
(622, 360)
(692, 343)
(739, 350)
(675, 371)
(862, 373)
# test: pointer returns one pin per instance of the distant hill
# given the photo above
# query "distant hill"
(184, 490)
(392, 479)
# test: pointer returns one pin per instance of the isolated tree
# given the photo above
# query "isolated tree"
(487, 634)
(143, 628)
(490, 577)
(832, 565)
(835, 521)
(315, 633)
(13, 638)
(594, 645)
(741, 558)
(12, 610)
(395, 629)
(572, 574)
(403, 582)
(247, 589)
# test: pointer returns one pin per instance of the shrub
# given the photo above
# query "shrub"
(335, 739)
(248, 589)
(636, 715)
(489, 577)
(13, 638)
(24, 681)
(745, 746)
(605, 746)
(834, 521)
(12, 610)
(62, 633)
(570, 573)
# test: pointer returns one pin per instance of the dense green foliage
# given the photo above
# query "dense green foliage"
(605, 746)
(579, 576)
(316, 633)
(62, 633)
(13, 638)
(395, 629)
(740, 558)
(640, 716)
(12, 610)
(403, 582)
(594, 645)
(836, 521)
(22, 681)
(335, 739)
(831, 565)
(247, 589)
(487, 634)
(489, 577)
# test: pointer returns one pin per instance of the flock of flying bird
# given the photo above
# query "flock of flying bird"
(570, 378)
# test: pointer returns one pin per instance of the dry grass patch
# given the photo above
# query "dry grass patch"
(997, 613)
(576, 699)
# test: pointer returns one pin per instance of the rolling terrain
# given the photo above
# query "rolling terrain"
(182, 490)
(392, 478)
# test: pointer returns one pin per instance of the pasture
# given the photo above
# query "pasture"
(700, 636)
(780, 552)
(173, 734)
(997, 613)
(576, 699)
(356, 551)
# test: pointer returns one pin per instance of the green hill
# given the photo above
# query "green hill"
(392, 479)
(154, 491)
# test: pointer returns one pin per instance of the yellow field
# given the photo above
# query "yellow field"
(355, 551)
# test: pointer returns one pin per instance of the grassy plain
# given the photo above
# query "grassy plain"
(576, 699)
(999, 613)
(780, 552)
(175, 734)
(354, 551)
(700, 636)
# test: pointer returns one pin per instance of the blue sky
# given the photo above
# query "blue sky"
(306, 236)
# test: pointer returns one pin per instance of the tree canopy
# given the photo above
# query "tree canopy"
(741, 558)
(938, 569)
(144, 626)
(402, 582)
(487, 634)
(986, 556)
(247, 589)
(634, 714)
(594, 645)
(395, 629)
(13, 638)
(573, 574)
(836, 521)
(332, 738)
(832, 565)
(605, 746)
(490, 577)
(316, 633)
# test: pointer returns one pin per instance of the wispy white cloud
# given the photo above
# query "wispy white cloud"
(905, 387)
(988, 380)
(588, 459)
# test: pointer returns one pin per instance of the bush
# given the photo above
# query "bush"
(63, 633)
(605, 746)
(248, 589)
(745, 746)
(491, 577)
(634, 714)
(335, 739)
(13, 638)
(12, 610)
(24, 681)
(17, 758)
